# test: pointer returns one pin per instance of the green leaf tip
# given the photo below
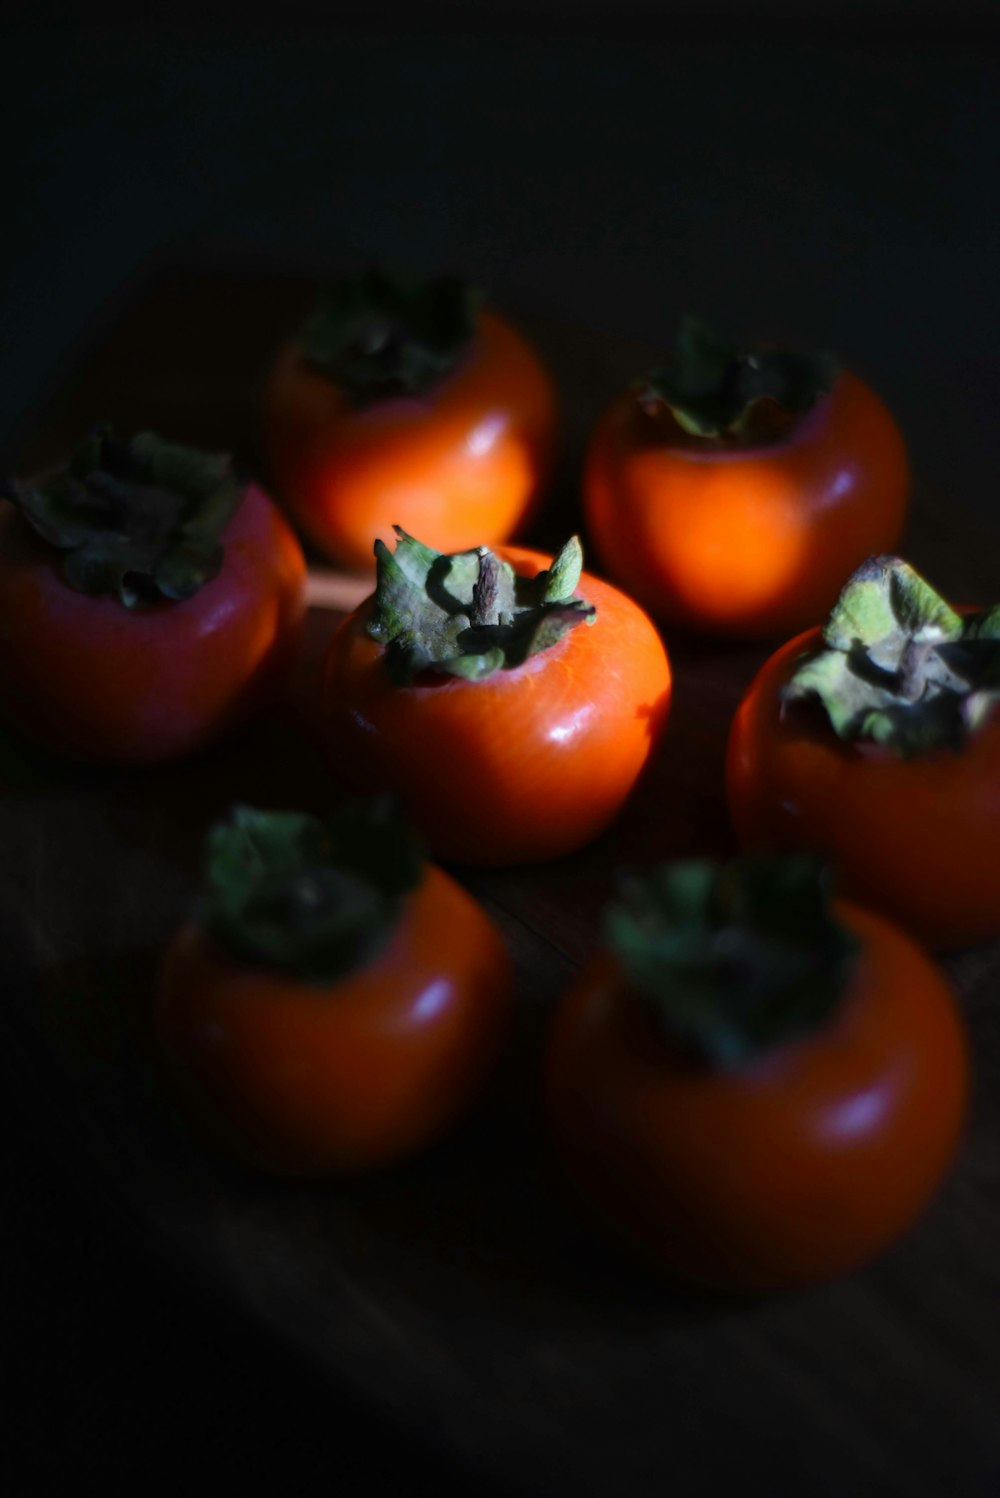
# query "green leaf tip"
(717, 391)
(288, 891)
(898, 666)
(141, 520)
(734, 958)
(469, 614)
(377, 334)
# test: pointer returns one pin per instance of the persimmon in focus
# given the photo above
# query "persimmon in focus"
(509, 700)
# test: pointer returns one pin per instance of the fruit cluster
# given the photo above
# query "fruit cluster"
(761, 1078)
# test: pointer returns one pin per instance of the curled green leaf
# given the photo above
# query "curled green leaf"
(898, 666)
(469, 614)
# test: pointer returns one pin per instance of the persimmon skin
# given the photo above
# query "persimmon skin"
(751, 541)
(913, 838)
(792, 1169)
(86, 677)
(459, 466)
(529, 764)
(333, 1080)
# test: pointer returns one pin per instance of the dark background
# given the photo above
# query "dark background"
(823, 172)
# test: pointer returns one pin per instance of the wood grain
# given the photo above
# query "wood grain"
(466, 1293)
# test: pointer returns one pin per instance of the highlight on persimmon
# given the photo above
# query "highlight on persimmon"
(407, 401)
(731, 490)
(875, 741)
(510, 699)
(336, 1004)
(753, 1086)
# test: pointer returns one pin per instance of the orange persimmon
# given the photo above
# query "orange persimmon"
(338, 1004)
(148, 602)
(742, 514)
(409, 405)
(876, 742)
(751, 1106)
(511, 736)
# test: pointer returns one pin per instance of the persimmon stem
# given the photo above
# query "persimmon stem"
(141, 520)
(469, 614)
(912, 680)
(486, 590)
(377, 335)
(733, 959)
(898, 666)
(284, 890)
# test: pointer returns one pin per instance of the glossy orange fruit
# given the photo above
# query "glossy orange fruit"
(738, 537)
(913, 837)
(85, 676)
(313, 1078)
(459, 463)
(529, 764)
(793, 1167)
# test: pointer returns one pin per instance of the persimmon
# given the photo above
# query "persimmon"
(732, 492)
(513, 709)
(337, 1003)
(149, 601)
(756, 1088)
(876, 742)
(407, 402)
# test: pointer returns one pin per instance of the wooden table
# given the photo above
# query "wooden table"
(465, 1295)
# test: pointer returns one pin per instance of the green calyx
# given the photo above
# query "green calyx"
(732, 959)
(141, 520)
(716, 391)
(898, 666)
(377, 335)
(315, 899)
(469, 614)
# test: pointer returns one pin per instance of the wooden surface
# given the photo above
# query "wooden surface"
(465, 1294)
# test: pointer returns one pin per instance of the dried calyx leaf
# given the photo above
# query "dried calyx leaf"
(141, 520)
(315, 899)
(377, 335)
(898, 666)
(715, 390)
(733, 959)
(469, 614)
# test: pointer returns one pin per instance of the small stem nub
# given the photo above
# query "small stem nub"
(911, 669)
(486, 590)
